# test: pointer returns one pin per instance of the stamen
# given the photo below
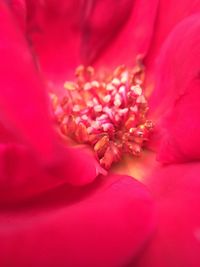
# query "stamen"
(109, 113)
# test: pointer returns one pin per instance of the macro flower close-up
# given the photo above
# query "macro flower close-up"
(100, 133)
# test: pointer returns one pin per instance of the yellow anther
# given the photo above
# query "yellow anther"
(70, 86)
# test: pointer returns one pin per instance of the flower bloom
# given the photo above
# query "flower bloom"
(56, 207)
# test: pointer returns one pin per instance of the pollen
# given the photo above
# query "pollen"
(107, 112)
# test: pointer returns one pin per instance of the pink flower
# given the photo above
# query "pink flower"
(47, 215)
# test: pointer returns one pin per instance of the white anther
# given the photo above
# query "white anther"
(136, 89)
(124, 77)
(123, 111)
(90, 104)
(107, 126)
(87, 86)
(103, 117)
(84, 117)
(98, 108)
(116, 81)
(122, 89)
(107, 98)
(95, 124)
(117, 102)
(109, 112)
(95, 84)
(110, 87)
(76, 108)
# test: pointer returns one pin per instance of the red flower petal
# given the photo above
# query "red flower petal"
(177, 241)
(67, 33)
(169, 14)
(54, 30)
(22, 176)
(102, 23)
(24, 109)
(105, 224)
(177, 94)
(23, 102)
(19, 10)
(134, 38)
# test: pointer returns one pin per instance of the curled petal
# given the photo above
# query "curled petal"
(176, 242)
(106, 224)
(176, 97)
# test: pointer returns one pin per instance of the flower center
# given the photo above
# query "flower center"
(107, 112)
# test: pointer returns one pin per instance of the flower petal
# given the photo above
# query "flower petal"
(176, 96)
(103, 23)
(22, 176)
(23, 102)
(176, 189)
(95, 33)
(25, 112)
(104, 224)
(134, 37)
(170, 13)
(54, 31)
(19, 9)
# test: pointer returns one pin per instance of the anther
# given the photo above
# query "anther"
(108, 113)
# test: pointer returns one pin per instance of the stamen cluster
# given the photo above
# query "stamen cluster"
(108, 112)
